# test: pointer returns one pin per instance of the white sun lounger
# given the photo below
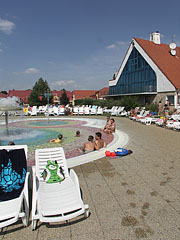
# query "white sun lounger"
(12, 210)
(55, 202)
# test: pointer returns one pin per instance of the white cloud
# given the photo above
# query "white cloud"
(63, 83)
(31, 71)
(118, 44)
(6, 26)
(111, 46)
(122, 43)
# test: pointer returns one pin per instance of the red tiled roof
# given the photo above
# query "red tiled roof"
(161, 56)
(59, 94)
(2, 95)
(81, 94)
(103, 91)
(22, 94)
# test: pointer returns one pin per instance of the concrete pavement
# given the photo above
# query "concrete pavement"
(134, 197)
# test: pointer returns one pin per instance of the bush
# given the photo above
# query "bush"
(152, 107)
(127, 101)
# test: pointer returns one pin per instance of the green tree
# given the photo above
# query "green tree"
(41, 88)
(5, 92)
(64, 100)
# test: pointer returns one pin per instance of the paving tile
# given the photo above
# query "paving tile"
(94, 235)
(53, 231)
(122, 187)
(18, 231)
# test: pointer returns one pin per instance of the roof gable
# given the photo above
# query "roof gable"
(161, 56)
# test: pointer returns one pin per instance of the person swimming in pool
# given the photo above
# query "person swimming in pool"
(78, 134)
(58, 140)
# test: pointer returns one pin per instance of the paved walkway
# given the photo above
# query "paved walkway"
(135, 197)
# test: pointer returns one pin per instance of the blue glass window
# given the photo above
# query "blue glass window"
(136, 77)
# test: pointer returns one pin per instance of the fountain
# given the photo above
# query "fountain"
(9, 104)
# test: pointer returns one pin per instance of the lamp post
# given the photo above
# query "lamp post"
(47, 94)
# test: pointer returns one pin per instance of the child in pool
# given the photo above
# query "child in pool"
(58, 140)
(78, 134)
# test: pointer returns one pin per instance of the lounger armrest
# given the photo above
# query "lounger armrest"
(34, 192)
(26, 199)
(75, 179)
(26, 194)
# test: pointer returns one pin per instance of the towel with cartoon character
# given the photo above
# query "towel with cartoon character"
(53, 173)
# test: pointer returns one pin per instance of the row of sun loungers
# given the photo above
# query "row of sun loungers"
(54, 200)
(77, 110)
(143, 117)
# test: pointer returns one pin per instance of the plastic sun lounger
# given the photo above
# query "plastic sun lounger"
(99, 111)
(76, 110)
(55, 202)
(34, 111)
(12, 210)
(81, 110)
(86, 110)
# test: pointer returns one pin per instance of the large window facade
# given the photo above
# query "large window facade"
(136, 77)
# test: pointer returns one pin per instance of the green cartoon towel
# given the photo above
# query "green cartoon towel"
(53, 173)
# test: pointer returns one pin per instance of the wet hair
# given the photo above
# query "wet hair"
(11, 143)
(77, 132)
(112, 119)
(90, 138)
(99, 134)
(60, 136)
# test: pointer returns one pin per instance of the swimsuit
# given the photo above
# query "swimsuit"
(87, 151)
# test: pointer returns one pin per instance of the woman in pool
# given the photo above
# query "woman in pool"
(58, 140)
(111, 128)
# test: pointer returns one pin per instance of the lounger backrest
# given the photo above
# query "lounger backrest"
(12, 147)
(13, 183)
(53, 154)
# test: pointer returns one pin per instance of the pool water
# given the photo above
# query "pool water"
(37, 134)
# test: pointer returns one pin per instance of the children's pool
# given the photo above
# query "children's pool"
(36, 133)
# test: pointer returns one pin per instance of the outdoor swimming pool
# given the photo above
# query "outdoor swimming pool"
(36, 133)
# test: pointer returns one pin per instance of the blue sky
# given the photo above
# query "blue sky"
(76, 44)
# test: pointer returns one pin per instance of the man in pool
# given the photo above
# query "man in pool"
(89, 146)
(58, 140)
(99, 142)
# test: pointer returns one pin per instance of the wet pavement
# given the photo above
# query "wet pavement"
(134, 197)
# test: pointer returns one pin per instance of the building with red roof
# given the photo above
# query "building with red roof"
(2, 95)
(84, 94)
(57, 95)
(21, 94)
(149, 70)
(102, 93)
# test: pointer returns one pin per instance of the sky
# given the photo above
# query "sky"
(76, 44)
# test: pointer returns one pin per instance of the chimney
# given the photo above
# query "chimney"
(155, 37)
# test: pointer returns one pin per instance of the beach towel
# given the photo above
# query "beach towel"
(13, 168)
